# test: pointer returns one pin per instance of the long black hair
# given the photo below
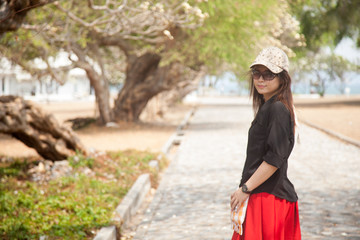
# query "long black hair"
(284, 94)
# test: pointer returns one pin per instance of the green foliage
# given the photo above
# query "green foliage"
(57, 211)
(72, 207)
(79, 160)
(228, 35)
(327, 21)
(16, 169)
(324, 68)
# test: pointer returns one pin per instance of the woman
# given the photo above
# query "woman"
(272, 210)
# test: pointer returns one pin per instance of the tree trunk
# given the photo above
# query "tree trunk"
(144, 80)
(36, 129)
(139, 87)
(99, 83)
(102, 95)
(186, 87)
(158, 105)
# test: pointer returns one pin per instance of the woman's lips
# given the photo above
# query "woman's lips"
(261, 86)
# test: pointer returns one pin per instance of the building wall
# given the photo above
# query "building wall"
(76, 86)
(6, 85)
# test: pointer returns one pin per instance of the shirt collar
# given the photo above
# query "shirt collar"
(271, 99)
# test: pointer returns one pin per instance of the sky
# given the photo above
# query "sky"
(347, 49)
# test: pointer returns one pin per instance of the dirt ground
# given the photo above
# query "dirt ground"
(151, 134)
(339, 114)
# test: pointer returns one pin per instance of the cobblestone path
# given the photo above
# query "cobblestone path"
(192, 201)
(326, 174)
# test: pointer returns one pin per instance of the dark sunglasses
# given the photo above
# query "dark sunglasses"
(267, 75)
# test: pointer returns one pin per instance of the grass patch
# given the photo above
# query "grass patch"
(80, 160)
(71, 207)
(16, 169)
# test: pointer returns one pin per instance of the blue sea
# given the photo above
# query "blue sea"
(227, 84)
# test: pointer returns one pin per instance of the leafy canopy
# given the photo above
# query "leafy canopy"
(327, 22)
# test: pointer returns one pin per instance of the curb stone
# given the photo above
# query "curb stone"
(333, 134)
(106, 233)
(186, 120)
(179, 132)
(134, 198)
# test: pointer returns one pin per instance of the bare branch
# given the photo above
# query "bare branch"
(38, 28)
(92, 6)
(106, 6)
(116, 41)
(145, 23)
(51, 72)
(72, 16)
(39, 73)
(145, 39)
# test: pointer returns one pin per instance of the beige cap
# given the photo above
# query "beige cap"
(273, 58)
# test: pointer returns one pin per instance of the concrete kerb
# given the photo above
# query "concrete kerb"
(106, 233)
(333, 134)
(132, 200)
(136, 195)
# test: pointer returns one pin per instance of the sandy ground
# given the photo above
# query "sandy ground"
(151, 134)
(340, 114)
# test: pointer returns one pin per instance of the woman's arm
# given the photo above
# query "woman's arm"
(262, 173)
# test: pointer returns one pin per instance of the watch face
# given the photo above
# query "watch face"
(244, 188)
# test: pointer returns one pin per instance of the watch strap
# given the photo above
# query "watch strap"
(245, 189)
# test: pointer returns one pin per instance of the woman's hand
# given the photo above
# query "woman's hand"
(237, 198)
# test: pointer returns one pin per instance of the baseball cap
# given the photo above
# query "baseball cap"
(273, 58)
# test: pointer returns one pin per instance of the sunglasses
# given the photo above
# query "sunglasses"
(267, 75)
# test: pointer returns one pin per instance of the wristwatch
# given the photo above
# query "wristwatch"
(245, 189)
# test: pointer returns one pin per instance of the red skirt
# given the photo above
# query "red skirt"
(270, 218)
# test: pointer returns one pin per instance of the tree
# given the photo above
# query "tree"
(146, 36)
(224, 37)
(42, 37)
(13, 12)
(327, 21)
(164, 45)
(339, 67)
(236, 31)
(148, 31)
(161, 43)
(36, 129)
(21, 119)
(324, 24)
(322, 68)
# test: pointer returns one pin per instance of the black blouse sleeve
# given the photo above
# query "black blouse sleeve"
(279, 132)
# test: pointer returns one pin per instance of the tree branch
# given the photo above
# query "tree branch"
(116, 41)
(73, 16)
(38, 72)
(144, 23)
(13, 12)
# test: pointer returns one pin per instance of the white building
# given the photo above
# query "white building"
(10, 77)
(14, 81)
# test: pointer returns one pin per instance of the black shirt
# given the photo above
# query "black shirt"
(271, 139)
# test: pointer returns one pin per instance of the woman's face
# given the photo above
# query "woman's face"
(267, 88)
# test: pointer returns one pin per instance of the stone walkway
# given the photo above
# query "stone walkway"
(192, 201)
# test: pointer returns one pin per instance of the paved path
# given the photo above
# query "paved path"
(192, 201)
